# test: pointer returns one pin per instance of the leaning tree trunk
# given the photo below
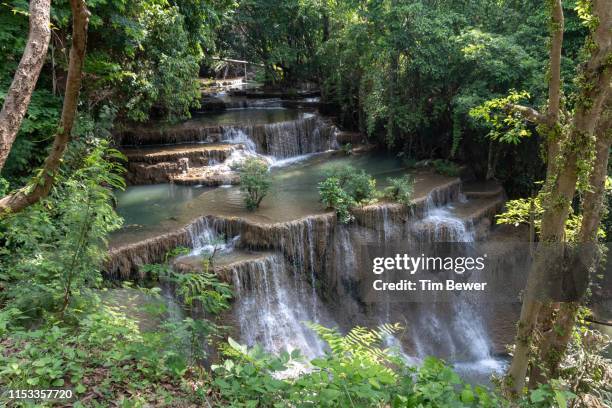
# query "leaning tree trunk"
(21, 89)
(42, 183)
(555, 341)
(560, 188)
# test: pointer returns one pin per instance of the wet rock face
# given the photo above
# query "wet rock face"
(167, 164)
(167, 135)
(198, 155)
(124, 262)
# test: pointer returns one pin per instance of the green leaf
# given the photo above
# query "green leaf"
(538, 395)
(33, 380)
(58, 382)
(560, 398)
(467, 396)
(236, 346)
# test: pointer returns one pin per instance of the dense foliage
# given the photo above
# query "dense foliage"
(357, 371)
(408, 72)
(142, 61)
(429, 80)
(345, 187)
(400, 189)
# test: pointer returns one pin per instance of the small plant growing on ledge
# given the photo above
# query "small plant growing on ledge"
(254, 181)
(345, 187)
(347, 149)
(333, 196)
(400, 189)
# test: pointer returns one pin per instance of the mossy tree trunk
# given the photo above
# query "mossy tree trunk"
(555, 340)
(570, 149)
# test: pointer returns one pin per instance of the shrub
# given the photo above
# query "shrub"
(400, 189)
(517, 212)
(346, 187)
(358, 184)
(333, 196)
(356, 372)
(347, 149)
(446, 167)
(254, 181)
(53, 250)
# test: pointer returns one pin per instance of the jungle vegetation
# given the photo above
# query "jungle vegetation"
(520, 90)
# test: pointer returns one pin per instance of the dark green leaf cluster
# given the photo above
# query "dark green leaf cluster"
(345, 187)
(400, 189)
(255, 181)
(53, 251)
(356, 372)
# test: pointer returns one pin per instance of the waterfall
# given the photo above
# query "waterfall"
(205, 238)
(306, 135)
(440, 225)
(311, 263)
(234, 135)
(270, 308)
(454, 329)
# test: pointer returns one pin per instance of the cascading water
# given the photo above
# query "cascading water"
(274, 298)
(238, 136)
(282, 140)
(311, 263)
(206, 240)
(270, 308)
(455, 330)
(234, 136)
(276, 294)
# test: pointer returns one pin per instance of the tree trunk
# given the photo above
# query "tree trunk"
(42, 183)
(21, 89)
(560, 188)
(544, 325)
(554, 88)
(391, 125)
(491, 161)
(555, 342)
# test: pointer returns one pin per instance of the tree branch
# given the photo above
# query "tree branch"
(528, 113)
(30, 194)
(21, 89)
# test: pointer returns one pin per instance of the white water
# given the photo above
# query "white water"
(238, 136)
(205, 240)
(274, 299)
(234, 136)
(457, 329)
(271, 310)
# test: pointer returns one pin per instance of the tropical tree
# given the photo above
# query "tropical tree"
(570, 137)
